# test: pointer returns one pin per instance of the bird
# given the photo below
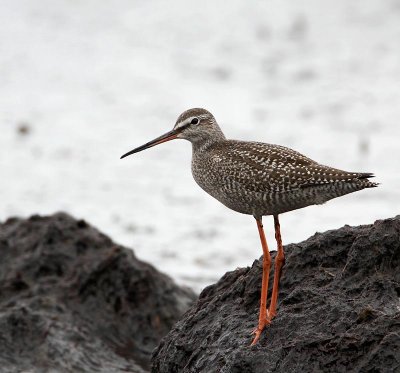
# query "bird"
(258, 179)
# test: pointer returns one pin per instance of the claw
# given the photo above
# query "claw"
(257, 337)
(258, 329)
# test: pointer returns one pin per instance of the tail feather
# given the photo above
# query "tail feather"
(364, 176)
(370, 184)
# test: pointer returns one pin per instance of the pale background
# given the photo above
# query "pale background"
(82, 82)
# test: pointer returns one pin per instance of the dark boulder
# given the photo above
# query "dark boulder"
(71, 300)
(338, 311)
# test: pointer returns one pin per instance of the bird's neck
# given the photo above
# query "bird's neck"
(201, 144)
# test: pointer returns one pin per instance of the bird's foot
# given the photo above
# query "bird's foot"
(258, 330)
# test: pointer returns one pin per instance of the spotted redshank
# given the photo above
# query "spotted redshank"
(258, 179)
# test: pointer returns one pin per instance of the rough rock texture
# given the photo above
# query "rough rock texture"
(339, 311)
(71, 300)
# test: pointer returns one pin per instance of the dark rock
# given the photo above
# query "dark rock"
(71, 300)
(338, 311)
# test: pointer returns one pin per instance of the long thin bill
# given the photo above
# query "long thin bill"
(159, 140)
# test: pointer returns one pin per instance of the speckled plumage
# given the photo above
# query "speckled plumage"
(261, 179)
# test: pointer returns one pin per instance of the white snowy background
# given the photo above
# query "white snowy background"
(84, 81)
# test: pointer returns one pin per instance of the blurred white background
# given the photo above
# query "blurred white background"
(82, 82)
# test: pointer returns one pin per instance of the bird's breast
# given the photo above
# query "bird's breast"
(205, 173)
(212, 175)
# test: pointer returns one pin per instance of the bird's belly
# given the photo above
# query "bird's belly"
(227, 197)
(217, 187)
(231, 194)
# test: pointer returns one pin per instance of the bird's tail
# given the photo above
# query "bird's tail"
(364, 176)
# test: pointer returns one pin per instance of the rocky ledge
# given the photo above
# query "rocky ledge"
(71, 300)
(338, 311)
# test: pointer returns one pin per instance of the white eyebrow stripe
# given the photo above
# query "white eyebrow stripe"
(185, 122)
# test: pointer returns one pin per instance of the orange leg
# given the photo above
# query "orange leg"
(279, 263)
(263, 319)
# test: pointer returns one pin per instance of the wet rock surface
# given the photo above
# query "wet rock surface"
(338, 311)
(71, 300)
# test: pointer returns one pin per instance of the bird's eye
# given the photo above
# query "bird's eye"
(194, 121)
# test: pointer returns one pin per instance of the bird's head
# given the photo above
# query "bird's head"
(196, 125)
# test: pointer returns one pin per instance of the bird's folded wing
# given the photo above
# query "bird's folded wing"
(260, 167)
